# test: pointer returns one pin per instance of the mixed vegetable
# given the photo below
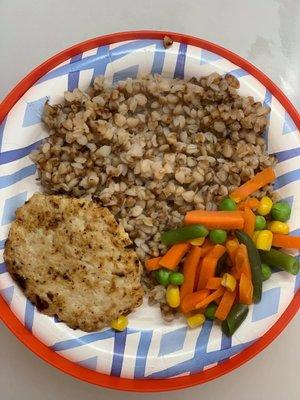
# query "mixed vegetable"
(216, 263)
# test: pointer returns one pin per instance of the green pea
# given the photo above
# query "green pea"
(176, 278)
(228, 205)
(266, 272)
(260, 223)
(211, 310)
(162, 276)
(281, 211)
(218, 236)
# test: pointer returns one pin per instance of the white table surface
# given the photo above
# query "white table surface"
(265, 32)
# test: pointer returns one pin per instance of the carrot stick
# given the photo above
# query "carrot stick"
(288, 242)
(198, 269)
(152, 264)
(245, 290)
(216, 219)
(231, 247)
(189, 271)
(251, 203)
(206, 247)
(209, 264)
(249, 221)
(174, 255)
(190, 300)
(213, 283)
(215, 295)
(260, 180)
(242, 264)
(225, 305)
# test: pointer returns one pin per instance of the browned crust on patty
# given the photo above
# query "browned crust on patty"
(70, 258)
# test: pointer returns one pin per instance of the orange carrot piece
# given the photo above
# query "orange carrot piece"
(245, 290)
(242, 264)
(260, 180)
(206, 247)
(209, 264)
(251, 203)
(286, 241)
(213, 283)
(216, 219)
(225, 305)
(152, 264)
(189, 271)
(231, 247)
(174, 255)
(189, 302)
(249, 221)
(215, 295)
(197, 274)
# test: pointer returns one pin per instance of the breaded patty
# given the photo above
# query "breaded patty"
(71, 259)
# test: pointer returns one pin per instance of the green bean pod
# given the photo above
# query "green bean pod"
(255, 264)
(183, 234)
(221, 265)
(234, 319)
(281, 260)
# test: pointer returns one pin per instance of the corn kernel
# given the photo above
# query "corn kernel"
(197, 241)
(173, 296)
(229, 282)
(254, 236)
(265, 206)
(119, 324)
(264, 240)
(279, 227)
(195, 320)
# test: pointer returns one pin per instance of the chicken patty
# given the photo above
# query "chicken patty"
(72, 260)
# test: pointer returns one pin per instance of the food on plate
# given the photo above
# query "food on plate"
(72, 260)
(183, 167)
(224, 274)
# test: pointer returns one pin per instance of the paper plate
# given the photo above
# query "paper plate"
(150, 354)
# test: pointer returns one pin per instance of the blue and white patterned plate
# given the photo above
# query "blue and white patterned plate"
(149, 348)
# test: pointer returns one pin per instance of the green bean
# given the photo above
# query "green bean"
(281, 260)
(210, 310)
(255, 264)
(235, 318)
(266, 272)
(183, 234)
(221, 265)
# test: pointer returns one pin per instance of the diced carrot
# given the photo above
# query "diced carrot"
(242, 263)
(260, 180)
(231, 247)
(215, 295)
(189, 271)
(249, 221)
(188, 303)
(209, 265)
(245, 290)
(225, 305)
(174, 255)
(216, 219)
(251, 203)
(152, 263)
(286, 241)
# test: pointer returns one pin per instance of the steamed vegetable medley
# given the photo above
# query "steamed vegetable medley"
(216, 263)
